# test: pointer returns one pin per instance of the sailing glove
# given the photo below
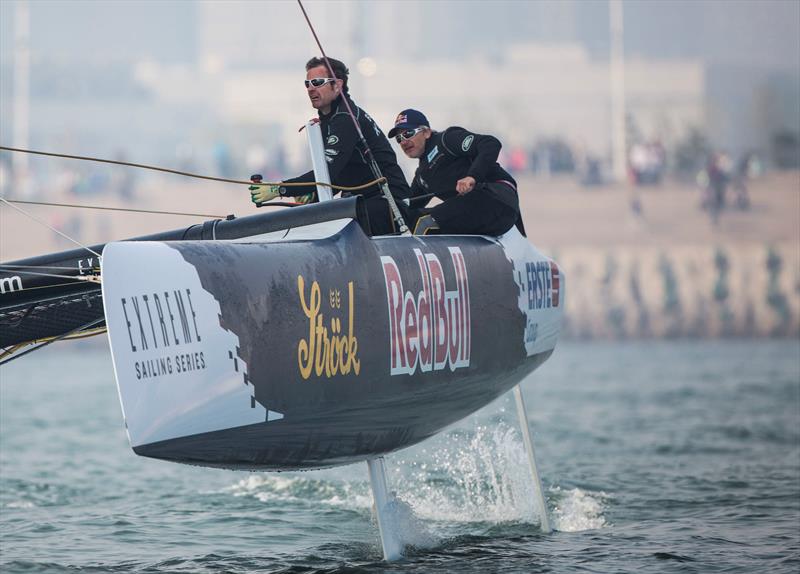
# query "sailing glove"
(262, 193)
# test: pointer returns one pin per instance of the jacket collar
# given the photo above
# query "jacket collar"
(335, 105)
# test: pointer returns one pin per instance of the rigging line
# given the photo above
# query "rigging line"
(50, 227)
(376, 171)
(93, 332)
(90, 278)
(85, 335)
(53, 340)
(13, 266)
(24, 289)
(116, 208)
(187, 174)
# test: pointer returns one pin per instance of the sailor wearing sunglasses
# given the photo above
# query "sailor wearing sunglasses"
(347, 161)
(459, 167)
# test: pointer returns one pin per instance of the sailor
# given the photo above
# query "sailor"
(348, 161)
(460, 168)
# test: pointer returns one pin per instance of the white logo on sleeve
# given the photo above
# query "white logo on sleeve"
(467, 142)
(332, 140)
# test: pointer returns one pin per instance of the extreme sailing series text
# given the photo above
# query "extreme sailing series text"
(163, 324)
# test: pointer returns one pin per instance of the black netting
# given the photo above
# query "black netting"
(51, 318)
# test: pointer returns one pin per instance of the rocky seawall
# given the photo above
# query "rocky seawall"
(681, 291)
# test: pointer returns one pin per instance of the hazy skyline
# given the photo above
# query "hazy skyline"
(763, 33)
(89, 60)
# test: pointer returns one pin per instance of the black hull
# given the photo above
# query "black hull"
(309, 353)
(345, 436)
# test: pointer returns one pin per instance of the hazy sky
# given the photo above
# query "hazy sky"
(87, 50)
(765, 33)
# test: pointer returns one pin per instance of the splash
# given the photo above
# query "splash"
(577, 510)
(460, 478)
(484, 477)
(20, 504)
(297, 489)
(485, 480)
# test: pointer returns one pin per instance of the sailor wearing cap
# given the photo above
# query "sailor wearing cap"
(459, 167)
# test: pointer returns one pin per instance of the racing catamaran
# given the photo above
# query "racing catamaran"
(294, 339)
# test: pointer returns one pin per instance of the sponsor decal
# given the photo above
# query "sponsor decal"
(179, 370)
(542, 284)
(542, 288)
(531, 332)
(465, 145)
(163, 333)
(332, 140)
(429, 325)
(328, 351)
(433, 153)
(329, 151)
(10, 284)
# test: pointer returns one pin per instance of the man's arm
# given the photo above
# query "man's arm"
(483, 150)
(294, 191)
(420, 195)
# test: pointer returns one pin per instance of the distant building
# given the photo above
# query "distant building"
(533, 92)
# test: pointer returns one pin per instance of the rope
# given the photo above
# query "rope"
(50, 227)
(93, 332)
(92, 278)
(117, 209)
(197, 176)
(24, 289)
(14, 266)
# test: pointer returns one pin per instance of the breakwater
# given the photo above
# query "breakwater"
(750, 290)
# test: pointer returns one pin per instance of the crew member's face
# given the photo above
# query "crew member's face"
(322, 96)
(414, 146)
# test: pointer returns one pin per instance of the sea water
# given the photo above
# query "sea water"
(655, 457)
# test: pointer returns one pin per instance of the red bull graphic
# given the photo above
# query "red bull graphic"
(428, 329)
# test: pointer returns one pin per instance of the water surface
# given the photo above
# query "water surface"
(655, 457)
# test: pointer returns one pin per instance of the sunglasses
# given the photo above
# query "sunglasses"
(318, 82)
(408, 134)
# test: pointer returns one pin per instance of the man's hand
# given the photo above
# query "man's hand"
(465, 185)
(262, 193)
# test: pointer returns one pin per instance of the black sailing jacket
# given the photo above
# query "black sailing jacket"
(456, 153)
(347, 163)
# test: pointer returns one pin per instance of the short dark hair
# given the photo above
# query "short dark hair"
(339, 70)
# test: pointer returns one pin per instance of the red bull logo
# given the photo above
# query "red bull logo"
(429, 328)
